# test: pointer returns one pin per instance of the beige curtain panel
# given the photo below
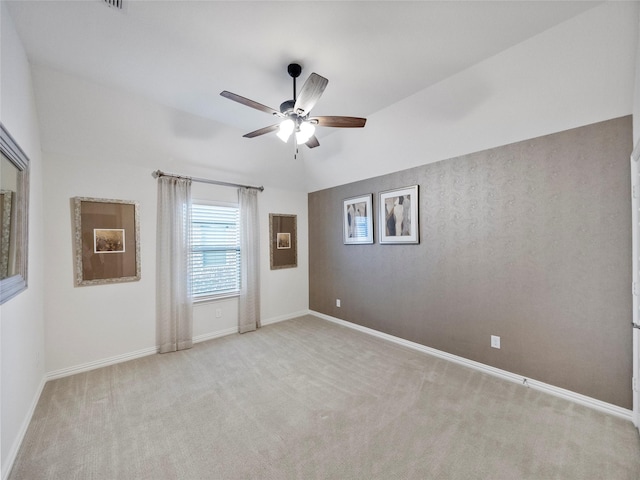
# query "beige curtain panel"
(249, 305)
(174, 314)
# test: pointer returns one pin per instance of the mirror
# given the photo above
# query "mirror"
(8, 192)
(14, 206)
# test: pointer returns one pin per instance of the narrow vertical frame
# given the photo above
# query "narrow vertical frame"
(357, 220)
(283, 241)
(95, 218)
(398, 216)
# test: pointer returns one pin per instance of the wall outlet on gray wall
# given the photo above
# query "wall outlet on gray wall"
(495, 341)
(337, 302)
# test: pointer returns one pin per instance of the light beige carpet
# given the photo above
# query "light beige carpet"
(308, 399)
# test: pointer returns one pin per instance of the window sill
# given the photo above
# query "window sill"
(214, 298)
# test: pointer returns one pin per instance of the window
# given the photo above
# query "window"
(215, 250)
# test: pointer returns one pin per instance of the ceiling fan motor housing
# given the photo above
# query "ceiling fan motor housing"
(287, 107)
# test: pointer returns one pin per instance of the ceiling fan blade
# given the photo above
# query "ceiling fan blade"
(310, 93)
(339, 122)
(312, 142)
(250, 103)
(262, 131)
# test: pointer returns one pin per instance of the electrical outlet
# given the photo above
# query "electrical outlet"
(337, 302)
(218, 312)
(495, 341)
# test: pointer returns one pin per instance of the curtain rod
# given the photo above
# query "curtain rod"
(160, 173)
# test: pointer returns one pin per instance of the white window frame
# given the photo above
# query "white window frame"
(217, 296)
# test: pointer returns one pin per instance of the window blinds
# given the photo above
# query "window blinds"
(215, 250)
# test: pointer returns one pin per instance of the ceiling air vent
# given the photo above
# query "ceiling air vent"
(117, 4)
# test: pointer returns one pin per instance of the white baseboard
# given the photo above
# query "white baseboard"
(231, 331)
(13, 453)
(282, 318)
(211, 335)
(512, 377)
(85, 367)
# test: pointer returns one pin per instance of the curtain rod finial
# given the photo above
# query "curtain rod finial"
(156, 174)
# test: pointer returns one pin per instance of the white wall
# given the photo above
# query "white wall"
(104, 143)
(21, 318)
(577, 73)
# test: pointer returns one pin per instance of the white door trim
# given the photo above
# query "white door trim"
(635, 219)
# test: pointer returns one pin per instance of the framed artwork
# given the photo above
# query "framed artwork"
(357, 219)
(398, 215)
(106, 241)
(283, 248)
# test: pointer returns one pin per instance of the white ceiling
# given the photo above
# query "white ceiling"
(182, 54)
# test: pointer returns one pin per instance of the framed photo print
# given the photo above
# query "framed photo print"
(283, 247)
(357, 219)
(106, 241)
(283, 241)
(398, 215)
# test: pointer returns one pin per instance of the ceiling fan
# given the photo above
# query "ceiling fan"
(294, 114)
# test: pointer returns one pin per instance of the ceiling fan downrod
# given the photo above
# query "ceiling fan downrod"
(294, 72)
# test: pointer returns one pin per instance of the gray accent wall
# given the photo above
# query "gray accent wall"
(529, 241)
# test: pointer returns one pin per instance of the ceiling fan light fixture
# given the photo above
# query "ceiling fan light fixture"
(286, 129)
(294, 114)
(304, 133)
